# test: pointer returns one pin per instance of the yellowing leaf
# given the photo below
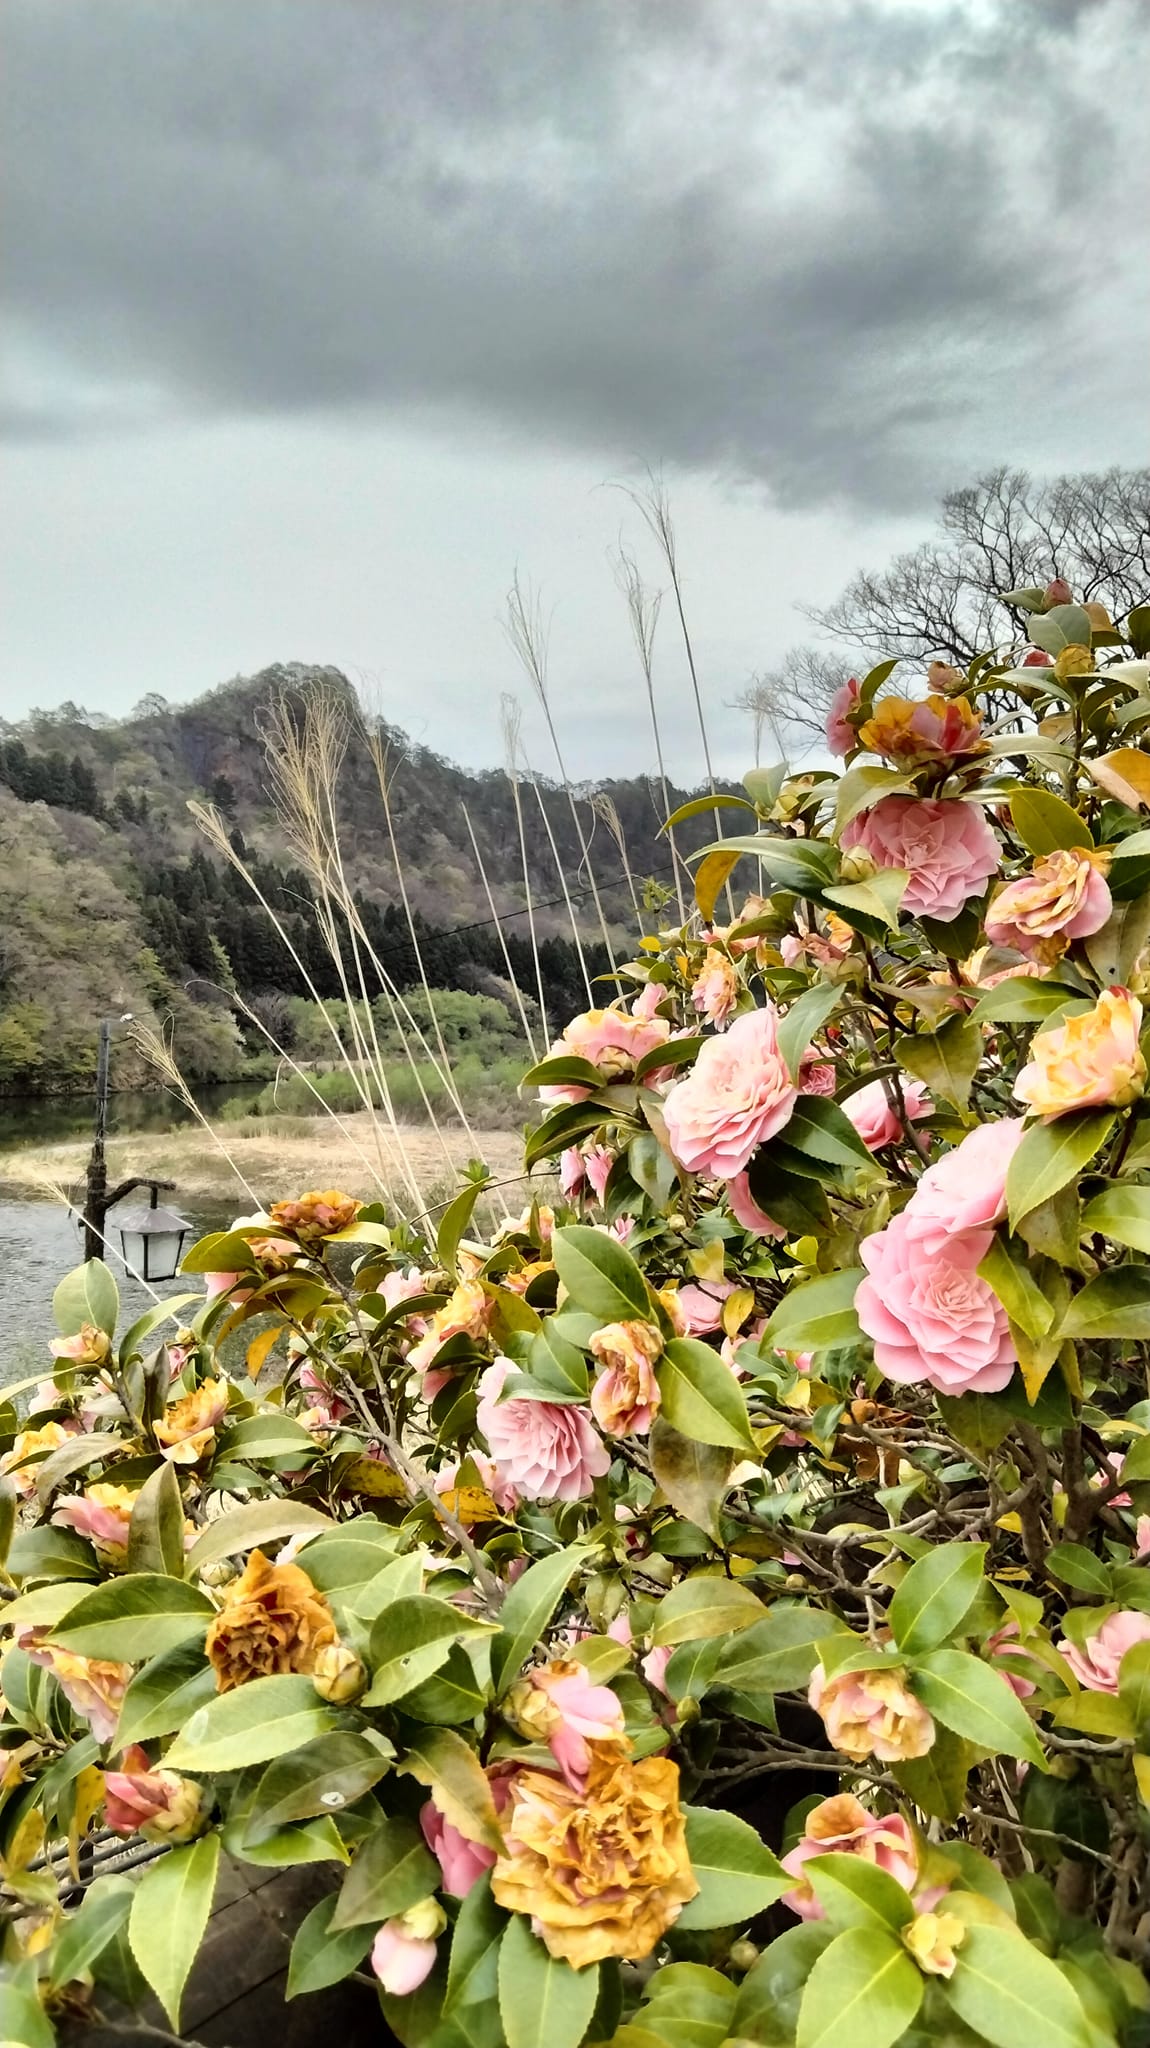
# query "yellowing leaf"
(260, 1348)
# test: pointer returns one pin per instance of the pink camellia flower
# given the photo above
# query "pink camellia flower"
(737, 1095)
(157, 1804)
(33, 1443)
(841, 1826)
(1058, 591)
(572, 1171)
(1004, 1643)
(701, 1303)
(557, 1704)
(467, 1312)
(1066, 896)
(461, 1862)
(403, 1952)
(947, 846)
(874, 1118)
(816, 1076)
(871, 1713)
(103, 1514)
(1096, 1665)
(89, 1346)
(92, 1685)
(328, 1403)
(715, 990)
(446, 1481)
(597, 1163)
(1037, 657)
(549, 1450)
(841, 735)
(746, 1210)
(613, 1041)
(1142, 1537)
(933, 1319)
(1092, 1061)
(965, 1190)
(397, 1287)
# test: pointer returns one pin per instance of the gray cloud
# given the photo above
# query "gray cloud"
(848, 250)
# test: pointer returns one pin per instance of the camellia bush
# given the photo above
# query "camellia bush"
(711, 1606)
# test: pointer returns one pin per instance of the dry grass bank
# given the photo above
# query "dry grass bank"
(276, 1156)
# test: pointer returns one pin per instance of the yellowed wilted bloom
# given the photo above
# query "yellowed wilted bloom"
(600, 1873)
(103, 1514)
(625, 1398)
(273, 1620)
(716, 989)
(317, 1214)
(89, 1346)
(26, 1445)
(1064, 897)
(1092, 1061)
(1073, 661)
(932, 1939)
(187, 1431)
(872, 1713)
(917, 734)
(94, 1686)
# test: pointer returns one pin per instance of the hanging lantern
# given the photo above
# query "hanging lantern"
(152, 1240)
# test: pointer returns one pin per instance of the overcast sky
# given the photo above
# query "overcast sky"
(325, 315)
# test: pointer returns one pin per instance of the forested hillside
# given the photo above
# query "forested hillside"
(111, 899)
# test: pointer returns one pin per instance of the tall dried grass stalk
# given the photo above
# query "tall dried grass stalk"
(498, 923)
(604, 806)
(303, 1075)
(528, 636)
(152, 1047)
(643, 607)
(576, 935)
(511, 718)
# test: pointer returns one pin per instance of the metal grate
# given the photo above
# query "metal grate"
(103, 1854)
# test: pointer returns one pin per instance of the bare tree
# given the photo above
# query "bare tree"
(1006, 531)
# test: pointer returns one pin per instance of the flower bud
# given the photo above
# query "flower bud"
(857, 865)
(932, 1939)
(743, 1956)
(425, 1920)
(339, 1675)
(1074, 661)
(1058, 591)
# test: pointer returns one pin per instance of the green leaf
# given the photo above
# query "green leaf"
(1073, 1565)
(473, 1965)
(156, 1530)
(221, 1251)
(767, 2008)
(854, 1893)
(877, 900)
(975, 1701)
(259, 1439)
(802, 866)
(652, 1168)
(1045, 822)
(935, 1595)
(103, 1911)
(818, 1129)
(1065, 625)
(1007, 1274)
(558, 1365)
(131, 1343)
(169, 1916)
(947, 1060)
(1121, 1213)
(137, 1616)
(978, 1421)
(778, 1653)
(698, 805)
(864, 784)
(736, 1873)
(1011, 1994)
(320, 1957)
(705, 1605)
(449, 1768)
(599, 1275)
(1115, 1305)
(250, 1725)
(23, 2018)
(817, 1314)
(543, 2002)
(528, 1609)
(87, 1295)
(452, 1694)
(393, 1870)
(804, 1017)
(937, 1781)
(863, 1989)
(165, 1694)
(692, 1475)
(248, 1528)
(700, 1397)
(322, 1777)
(456, 1218)
(410, 1640)
(49, 1552)
(1023, 1001)
(1052, 1154)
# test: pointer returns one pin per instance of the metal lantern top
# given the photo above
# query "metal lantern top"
(159, 1235)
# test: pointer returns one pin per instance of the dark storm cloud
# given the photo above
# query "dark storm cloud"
(825, 246)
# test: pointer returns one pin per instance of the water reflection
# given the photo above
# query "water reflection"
(53, 1119)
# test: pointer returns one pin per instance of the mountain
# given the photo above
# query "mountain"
(111, 898)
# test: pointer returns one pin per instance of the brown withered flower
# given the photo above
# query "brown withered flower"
(316, 1215)
(599, 1873)
(272, 1621)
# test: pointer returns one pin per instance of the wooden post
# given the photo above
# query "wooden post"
(96, 1199)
